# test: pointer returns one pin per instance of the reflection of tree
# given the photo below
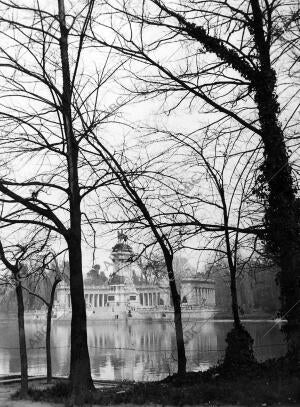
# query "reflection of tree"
(99, 360)
(14, 362)
(117, 362)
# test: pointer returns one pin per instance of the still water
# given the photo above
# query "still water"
(134, 350)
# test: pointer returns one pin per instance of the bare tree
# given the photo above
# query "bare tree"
(217, 207)
(155, 211)
(48, 270)
(222, 187)
(129, 180)
(229, 180)
(238, 83)
(13, 259)
(47, 173)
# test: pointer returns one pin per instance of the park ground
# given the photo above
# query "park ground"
(256, 387)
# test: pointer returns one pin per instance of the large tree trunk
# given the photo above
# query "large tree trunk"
(80, 371)
(282, 223)
(281, 219)
(177, 319)
(22, 341)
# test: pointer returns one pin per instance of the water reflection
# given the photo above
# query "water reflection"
(132, 350)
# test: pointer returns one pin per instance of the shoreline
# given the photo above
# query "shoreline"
(215, 318)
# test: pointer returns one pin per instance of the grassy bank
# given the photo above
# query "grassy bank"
(269, 383)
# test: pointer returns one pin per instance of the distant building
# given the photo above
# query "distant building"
(126, 294)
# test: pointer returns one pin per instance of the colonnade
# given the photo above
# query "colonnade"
(95, 300)
(204, 293)
(147, 299)
(150, 299)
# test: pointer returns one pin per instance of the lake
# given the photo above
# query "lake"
(133, 350)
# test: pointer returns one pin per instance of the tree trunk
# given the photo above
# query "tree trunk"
(239, 349)
(234, 300)
(232, 268)
(281, 219)
(48, 345)
(80, 371)
(48, 332)
(22, 341)
(282, 223)
(177, 319)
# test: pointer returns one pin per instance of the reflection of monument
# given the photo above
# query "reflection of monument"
(127, 294)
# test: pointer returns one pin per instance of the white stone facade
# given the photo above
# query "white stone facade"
(121, 296)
